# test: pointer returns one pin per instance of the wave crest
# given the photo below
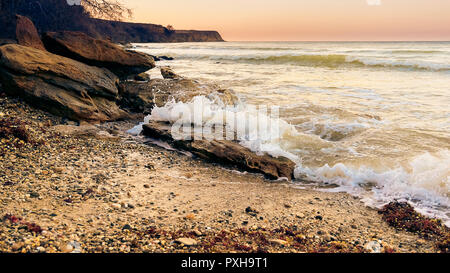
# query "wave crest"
(333, 61)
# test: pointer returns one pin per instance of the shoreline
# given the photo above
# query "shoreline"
(110, 193)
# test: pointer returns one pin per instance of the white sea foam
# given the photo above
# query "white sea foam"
(239, 120)
(369, 110)
(424, 181)
(333, 130)
(136, 130)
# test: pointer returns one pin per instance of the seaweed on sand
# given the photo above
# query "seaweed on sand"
(402, 215)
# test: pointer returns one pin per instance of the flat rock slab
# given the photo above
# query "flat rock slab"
(224, 151)
(95, 52)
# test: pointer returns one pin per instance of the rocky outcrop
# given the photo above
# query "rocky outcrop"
(95, 52)
(168, 73)
(225, 152)
(143, 96)
(59, 85)
(17, 29)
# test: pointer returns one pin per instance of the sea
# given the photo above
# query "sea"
(368, 118)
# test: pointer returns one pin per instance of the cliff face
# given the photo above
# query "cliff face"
(148, 33)
(56, 15)
(197, 36)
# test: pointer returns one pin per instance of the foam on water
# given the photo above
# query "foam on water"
(267, 136)
(424, 180)
(371, 118)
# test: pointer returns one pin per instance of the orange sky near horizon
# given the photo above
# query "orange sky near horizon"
(303, 20)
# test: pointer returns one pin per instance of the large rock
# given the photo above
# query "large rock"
(168, 73)
(224, 151)
(100, 53)
(143, 77)
(141, 97)
(59, 85)
(17, 29)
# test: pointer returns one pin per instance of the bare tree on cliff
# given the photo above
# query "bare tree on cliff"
(107, 9)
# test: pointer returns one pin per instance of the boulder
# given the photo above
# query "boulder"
(143, 77)
(224, 151)
(166, 58)
(168, 73)
(95, 52)
(17, 29)
(159, 58)
(141, 97)
(59, 85)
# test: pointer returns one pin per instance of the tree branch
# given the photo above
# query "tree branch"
(107, 9)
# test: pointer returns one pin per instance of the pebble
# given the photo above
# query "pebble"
(300, 215)
(373, 247)
(186, 241)
(58, 169)
(40, 249)
(278, 242)
(116, 206)
(126, 226)
(190, 216)
(76, 247)
(16, 246)
(67, 248)
(251, 211)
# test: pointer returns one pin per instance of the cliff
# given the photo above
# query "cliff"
(148, 33)
(56, 15)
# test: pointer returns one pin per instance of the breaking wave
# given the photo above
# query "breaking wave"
(331, 61)
(423, 181)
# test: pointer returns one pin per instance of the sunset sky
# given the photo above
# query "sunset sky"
(302, 20)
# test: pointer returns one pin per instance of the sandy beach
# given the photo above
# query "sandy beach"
(113, 193)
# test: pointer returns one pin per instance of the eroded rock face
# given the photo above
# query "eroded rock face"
(224, 151)
(95, 52)
(17, 29)
(59, 85)
(143, 96)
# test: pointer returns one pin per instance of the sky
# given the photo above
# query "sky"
(303, 20)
